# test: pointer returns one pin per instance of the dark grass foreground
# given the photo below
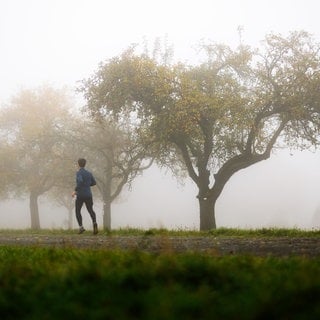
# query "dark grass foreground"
(61, 283)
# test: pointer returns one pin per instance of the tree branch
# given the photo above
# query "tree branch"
(186, 157)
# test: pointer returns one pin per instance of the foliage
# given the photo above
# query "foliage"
(52, 283)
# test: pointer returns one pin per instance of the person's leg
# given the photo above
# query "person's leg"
(79, 203)
(89, 206)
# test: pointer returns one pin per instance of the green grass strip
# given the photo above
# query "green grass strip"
(52, 283)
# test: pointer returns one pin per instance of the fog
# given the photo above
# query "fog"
(280, 192)
(62, 42)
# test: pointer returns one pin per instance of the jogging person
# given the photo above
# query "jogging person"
(84, 182)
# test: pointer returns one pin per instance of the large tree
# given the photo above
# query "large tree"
(30, 132)
(220, 116)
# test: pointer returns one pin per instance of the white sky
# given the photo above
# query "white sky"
(63, 41)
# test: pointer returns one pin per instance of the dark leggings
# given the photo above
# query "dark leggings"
(89, 205)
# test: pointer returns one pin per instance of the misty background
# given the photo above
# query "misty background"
(62, 42)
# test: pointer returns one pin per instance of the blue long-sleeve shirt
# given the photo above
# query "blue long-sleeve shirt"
(84, 180)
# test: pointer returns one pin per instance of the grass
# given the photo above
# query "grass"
(51, 283)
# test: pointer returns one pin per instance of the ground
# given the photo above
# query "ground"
(261, 246)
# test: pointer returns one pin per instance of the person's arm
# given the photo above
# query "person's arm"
(79, 181)
(93, 181)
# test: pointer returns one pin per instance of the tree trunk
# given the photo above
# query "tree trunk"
(107, 215)
(70, 218)
(34, 211)
(207, 213)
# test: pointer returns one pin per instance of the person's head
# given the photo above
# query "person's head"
(82, 162)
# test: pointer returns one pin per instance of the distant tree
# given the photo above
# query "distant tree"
(220, 116)
(30, 130)
(114, 155)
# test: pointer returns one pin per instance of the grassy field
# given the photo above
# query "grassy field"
(66, 283)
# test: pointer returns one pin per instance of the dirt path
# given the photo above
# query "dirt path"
(274, 246)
